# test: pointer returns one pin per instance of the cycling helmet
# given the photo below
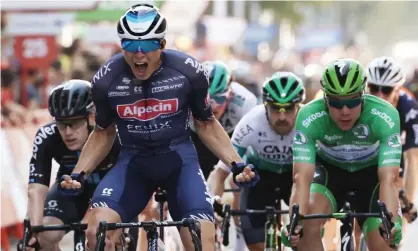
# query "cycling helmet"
(219, 77)
(343, 77)
(283, 88)
(71, 99)
(142, 21)
(385, 71)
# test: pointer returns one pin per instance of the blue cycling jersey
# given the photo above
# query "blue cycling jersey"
(151, 115)
(152, 118)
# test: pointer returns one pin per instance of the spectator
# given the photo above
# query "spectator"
(12, 113)
(34, 85)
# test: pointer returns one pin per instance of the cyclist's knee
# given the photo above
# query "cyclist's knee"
(207, 229)
(51, 238)
(256, 247)
(97, 215)
(375, 242)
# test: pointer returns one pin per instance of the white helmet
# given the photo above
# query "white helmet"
(142, 21)
(385, 71)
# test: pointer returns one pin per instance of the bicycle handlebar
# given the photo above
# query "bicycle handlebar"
(382, 214)
(28, 230)
(192, 224)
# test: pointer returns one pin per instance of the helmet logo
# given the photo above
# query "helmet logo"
(343, 67)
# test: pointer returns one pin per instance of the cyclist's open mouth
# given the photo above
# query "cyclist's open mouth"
(141, 68)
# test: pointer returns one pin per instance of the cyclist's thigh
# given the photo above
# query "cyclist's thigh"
(258, 197)
(187, 193)
(58, 209)
(60, 206)
(125, 189)
(326, 190)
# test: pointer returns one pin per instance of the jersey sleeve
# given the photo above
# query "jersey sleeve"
(411, 126)
(390, 151)
(42, 152)
(305, 138)
(199, 96)
(105, 116)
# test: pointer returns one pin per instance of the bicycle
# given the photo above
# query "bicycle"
(347, 218)
(79, 235)
(272, 225)
(151, 230)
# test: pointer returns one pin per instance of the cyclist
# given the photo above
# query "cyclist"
(241, 73)
(149, 92)
(264, 138)
(385, 79)
(230, 101)
(62, 140)
(358, 148)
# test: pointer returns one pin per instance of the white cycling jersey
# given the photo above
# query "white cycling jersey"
(260, 145)
(242, 101)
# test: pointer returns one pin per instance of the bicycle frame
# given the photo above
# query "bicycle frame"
(151, 229)
(347, 218)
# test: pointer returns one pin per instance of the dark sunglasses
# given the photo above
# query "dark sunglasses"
(384, 89)
(220, 99)
(143, 46)
(72, 123)
(340, 103)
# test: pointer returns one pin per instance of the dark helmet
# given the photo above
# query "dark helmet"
(71, 99)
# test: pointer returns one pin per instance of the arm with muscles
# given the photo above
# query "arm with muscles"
(389, 160)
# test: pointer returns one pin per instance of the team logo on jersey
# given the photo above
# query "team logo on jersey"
(147, 109)
(299, 138)
(394, 140)
(361, 131)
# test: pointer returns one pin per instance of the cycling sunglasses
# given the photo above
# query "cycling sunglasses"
(340, 103)
(143, 46)
(384, 89)
(220, 98)
(72, 123)
(280, 107)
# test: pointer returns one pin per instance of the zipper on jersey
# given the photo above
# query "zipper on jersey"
(145, 88)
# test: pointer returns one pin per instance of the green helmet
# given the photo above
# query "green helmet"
(343, 77)
(219, 77)
(283, 88)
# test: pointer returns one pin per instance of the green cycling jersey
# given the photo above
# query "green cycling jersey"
(373, 140)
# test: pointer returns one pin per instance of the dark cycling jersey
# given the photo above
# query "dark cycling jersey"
(408, 114)
(48, 145)
(152, 115)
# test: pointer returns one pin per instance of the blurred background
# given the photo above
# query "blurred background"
(44, 43)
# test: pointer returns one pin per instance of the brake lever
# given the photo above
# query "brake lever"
(294, 220)
(386, 218)
(226, 224)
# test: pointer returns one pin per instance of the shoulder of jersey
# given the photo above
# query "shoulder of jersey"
(257, 112)
(241, 90)
(111, 69)
(408, 100)
(372, 101)
(181, 61)
(47, 132)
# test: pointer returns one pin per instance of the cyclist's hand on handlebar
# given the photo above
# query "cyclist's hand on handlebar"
(294, 239)
(395, 234)
(30, 245)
